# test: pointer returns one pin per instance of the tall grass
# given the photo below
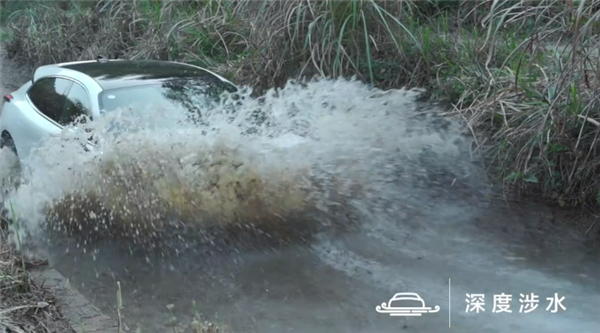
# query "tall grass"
(20, 295)
(523, 75)
(536, 117)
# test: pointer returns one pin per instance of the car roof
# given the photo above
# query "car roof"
(114, 74)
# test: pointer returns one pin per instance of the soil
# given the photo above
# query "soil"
(26, 306)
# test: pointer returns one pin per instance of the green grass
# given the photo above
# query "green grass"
(532, 110)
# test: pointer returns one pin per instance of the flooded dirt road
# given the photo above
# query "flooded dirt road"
(423, 228)
(335, 284)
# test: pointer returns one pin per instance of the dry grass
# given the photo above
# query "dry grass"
(132, 29)
(522, 74)
(535, 114)
(25, 306)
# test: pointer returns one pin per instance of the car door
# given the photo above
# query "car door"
(47, 97)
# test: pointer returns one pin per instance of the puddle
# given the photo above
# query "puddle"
(334, 284)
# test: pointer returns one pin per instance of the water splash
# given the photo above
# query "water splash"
(294, 162)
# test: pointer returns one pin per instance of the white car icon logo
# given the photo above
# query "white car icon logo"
(415, 305)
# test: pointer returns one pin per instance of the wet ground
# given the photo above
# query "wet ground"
(335, 284)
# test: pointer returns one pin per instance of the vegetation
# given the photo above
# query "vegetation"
(24, 305)
(523, 75)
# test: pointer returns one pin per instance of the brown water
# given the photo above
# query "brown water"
(335, 284)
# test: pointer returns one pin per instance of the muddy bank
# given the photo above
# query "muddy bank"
(27, 305)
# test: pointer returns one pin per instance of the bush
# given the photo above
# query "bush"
(522, 74)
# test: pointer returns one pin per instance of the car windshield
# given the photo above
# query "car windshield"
(193, 94)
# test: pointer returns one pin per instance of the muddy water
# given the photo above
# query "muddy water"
(425, 224)
(335, 284)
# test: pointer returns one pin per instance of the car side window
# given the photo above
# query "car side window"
(48, 96)
(78, 103)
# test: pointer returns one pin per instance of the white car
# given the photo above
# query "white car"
(59, 93)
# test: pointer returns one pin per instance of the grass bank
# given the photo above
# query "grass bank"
(25, 306)
(522, 74)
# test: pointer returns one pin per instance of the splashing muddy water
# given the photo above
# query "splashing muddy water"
(298, 211)
(286, 161)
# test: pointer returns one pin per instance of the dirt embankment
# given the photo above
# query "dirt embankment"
(25, 305)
